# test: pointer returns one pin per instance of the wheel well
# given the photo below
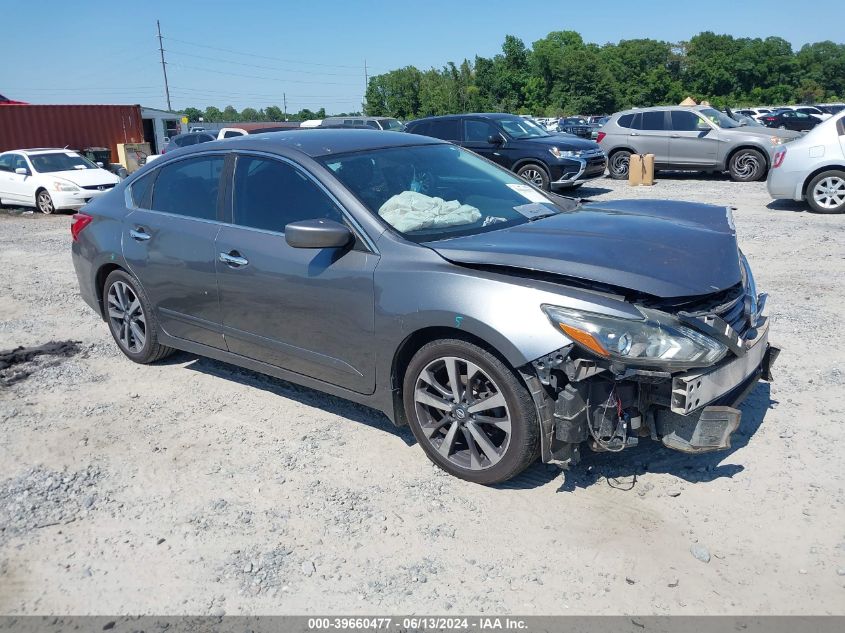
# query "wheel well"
(412, 344)
(531, 161)
(742, 147)
(100, 281)
(620, 149)
(815, 173)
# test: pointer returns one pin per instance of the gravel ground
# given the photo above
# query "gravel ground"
(196, 487)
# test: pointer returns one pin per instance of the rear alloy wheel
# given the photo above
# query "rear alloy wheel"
(618, 164)
(44, 202)
(131, 319)
(534, 174)
(469, 412)
(826, 192)
(747, 165)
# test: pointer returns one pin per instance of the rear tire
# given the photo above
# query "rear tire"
(618, 163)
(747, 165)
(536, 175)
(131, 319)
(826, 192)
(470, 413)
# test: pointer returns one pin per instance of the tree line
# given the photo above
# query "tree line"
(228, 114)
(561, 74)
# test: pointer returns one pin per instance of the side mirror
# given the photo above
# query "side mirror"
(495, 139)
(23, 171)
(317, 234)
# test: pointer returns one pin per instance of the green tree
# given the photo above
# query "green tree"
(193, 114)
(230, 114)
(213, 115)
(274, 113)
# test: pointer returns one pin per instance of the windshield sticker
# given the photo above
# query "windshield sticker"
(533, 209)
(529, 193)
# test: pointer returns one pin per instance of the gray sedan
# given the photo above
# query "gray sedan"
(500, 322)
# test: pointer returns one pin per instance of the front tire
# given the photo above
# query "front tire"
(44, 202)
(826, 192)
(131, 320)
(470, 413)
(747, 165)
(618, 163)
(536, 175)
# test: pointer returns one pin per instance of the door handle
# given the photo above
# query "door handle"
(233, 259)
(674, 136)
(139, 233)
(635, 133)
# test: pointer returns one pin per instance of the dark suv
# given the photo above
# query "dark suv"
(547, 160)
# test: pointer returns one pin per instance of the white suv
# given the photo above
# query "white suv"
(51, 179)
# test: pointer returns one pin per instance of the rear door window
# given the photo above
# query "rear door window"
(626, 120)
(189, 187)
(141, 191)
(650, 121)
(446, 129)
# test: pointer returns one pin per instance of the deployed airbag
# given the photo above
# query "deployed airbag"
(412, 211)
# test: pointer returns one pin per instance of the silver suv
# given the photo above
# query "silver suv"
(698, 138)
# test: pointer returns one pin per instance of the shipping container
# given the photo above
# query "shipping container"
(74, 126)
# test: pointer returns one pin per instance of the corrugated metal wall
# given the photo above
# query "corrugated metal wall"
(77, 126)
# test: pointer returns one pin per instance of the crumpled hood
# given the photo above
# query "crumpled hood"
(658, 247)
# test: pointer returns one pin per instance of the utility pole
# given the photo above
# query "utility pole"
(366, 82)
(285, 99)
(163, 64)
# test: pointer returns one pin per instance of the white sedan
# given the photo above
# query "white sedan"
(812, 168)
(51, 179)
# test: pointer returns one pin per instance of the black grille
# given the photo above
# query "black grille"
(728, 305)
(736, 317)
(99, 187)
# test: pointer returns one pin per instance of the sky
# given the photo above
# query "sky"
(253, 53)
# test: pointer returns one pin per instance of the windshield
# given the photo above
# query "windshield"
(719, 119)
(59, 161)
(434, 192)
(391, 124)
(522, 128)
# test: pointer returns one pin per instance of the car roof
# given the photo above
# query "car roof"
(315, 142)
(39, 150)
(489, 115)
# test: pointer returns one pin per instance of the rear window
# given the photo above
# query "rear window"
(626, 120)
(419, 128)
(141, 191)
(189, 187)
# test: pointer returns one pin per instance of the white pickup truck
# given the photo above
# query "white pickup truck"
(192, 138)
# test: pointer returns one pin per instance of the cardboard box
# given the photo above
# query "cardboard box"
(635, 170)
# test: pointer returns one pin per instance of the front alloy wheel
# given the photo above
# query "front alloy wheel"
(44, 202)
(469, 412)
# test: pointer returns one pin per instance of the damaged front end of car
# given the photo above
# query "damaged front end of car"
(675, 375)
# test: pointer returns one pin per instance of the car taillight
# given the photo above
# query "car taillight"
(78, 222)
(779, 156)
(600, 136)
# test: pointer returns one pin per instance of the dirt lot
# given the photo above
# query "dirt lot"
(195, 487)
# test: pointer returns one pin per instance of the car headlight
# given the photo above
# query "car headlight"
(60, 185)
(656, 340)
(776, 140)
(558, 153)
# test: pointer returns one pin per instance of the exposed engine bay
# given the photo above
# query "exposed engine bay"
(609, 405)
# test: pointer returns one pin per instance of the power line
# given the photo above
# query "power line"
(295, 81)
(278, 59)
(252, 65)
